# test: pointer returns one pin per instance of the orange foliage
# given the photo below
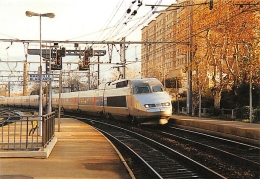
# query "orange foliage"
(225, 43)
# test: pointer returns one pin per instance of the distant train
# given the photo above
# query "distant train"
(136, 100)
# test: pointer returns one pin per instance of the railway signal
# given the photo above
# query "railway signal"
(58, 61)
(54, 52)
(90, 52)
(86, 57)
(63, 51)
(48, 66)
(85, 63)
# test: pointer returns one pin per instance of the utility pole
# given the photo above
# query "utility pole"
(9, 91)
(122, 55)
(89, 84)
(189, 62)
(60, 91)
(25, 72)
(177, 95)
(25, 77)
(98, 81)
(49, 108)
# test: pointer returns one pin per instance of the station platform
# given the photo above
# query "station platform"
(80, 152)
(240, 131)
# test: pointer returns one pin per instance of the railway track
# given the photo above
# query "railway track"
(172, 152)
(229, 158)
(152, 159)
(149, 158)
(248, 154)
(7, 114)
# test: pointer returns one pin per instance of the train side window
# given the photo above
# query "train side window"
(157, 88)
(142, 89)
(122, 84)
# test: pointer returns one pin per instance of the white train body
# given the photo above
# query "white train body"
(137, 100)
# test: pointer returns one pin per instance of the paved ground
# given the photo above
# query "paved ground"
(80, 152)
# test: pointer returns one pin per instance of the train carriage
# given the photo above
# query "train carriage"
(55, 101)
(2, 101)
(34, 101)
(136, 100)
(25, 101)
(115, 99)
(90, 102)
(69, 101)
(10, 101)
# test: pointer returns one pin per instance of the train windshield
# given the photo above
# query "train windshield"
(143, 89)
(157, 88)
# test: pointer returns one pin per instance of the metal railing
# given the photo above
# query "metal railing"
(48, 127)
(206, 112)
(23, 132)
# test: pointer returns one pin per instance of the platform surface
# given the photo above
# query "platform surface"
(245, 132)
(80, 152)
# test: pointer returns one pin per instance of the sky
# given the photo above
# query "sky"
(90, 20)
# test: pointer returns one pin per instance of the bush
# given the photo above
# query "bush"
(214, 111)
(182, 103)
(243, 112)
(257, 115)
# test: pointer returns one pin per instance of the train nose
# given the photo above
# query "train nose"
(163, 121)
(164, 112)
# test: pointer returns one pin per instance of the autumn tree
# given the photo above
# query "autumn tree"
(222, 40)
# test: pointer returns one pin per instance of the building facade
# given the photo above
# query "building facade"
(157, 58)
(164, 60)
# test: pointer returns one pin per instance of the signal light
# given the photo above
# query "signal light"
(86, 62)
(48, 66)
(58, 54)
(86, 54)
(86, 58)
(53, 53)
(59, 61)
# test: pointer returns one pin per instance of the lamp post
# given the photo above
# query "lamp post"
(50, 15)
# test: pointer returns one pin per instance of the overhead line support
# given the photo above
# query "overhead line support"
(91, 42)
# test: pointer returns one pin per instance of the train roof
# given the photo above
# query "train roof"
(124, 83)
(145, 80)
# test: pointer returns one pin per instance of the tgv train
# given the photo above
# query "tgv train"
(136, 100)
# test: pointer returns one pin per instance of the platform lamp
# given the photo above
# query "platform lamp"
(50, 15)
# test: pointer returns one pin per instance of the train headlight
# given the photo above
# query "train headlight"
(166, 104)
(149, 105)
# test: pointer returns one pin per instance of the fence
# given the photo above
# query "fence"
(206, 112)
(24, 133)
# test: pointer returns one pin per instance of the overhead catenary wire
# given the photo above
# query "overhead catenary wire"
(109, 34)
(203, 29)
(111, 18)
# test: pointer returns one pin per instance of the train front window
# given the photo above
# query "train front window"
(157, 88)
(142, 89)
